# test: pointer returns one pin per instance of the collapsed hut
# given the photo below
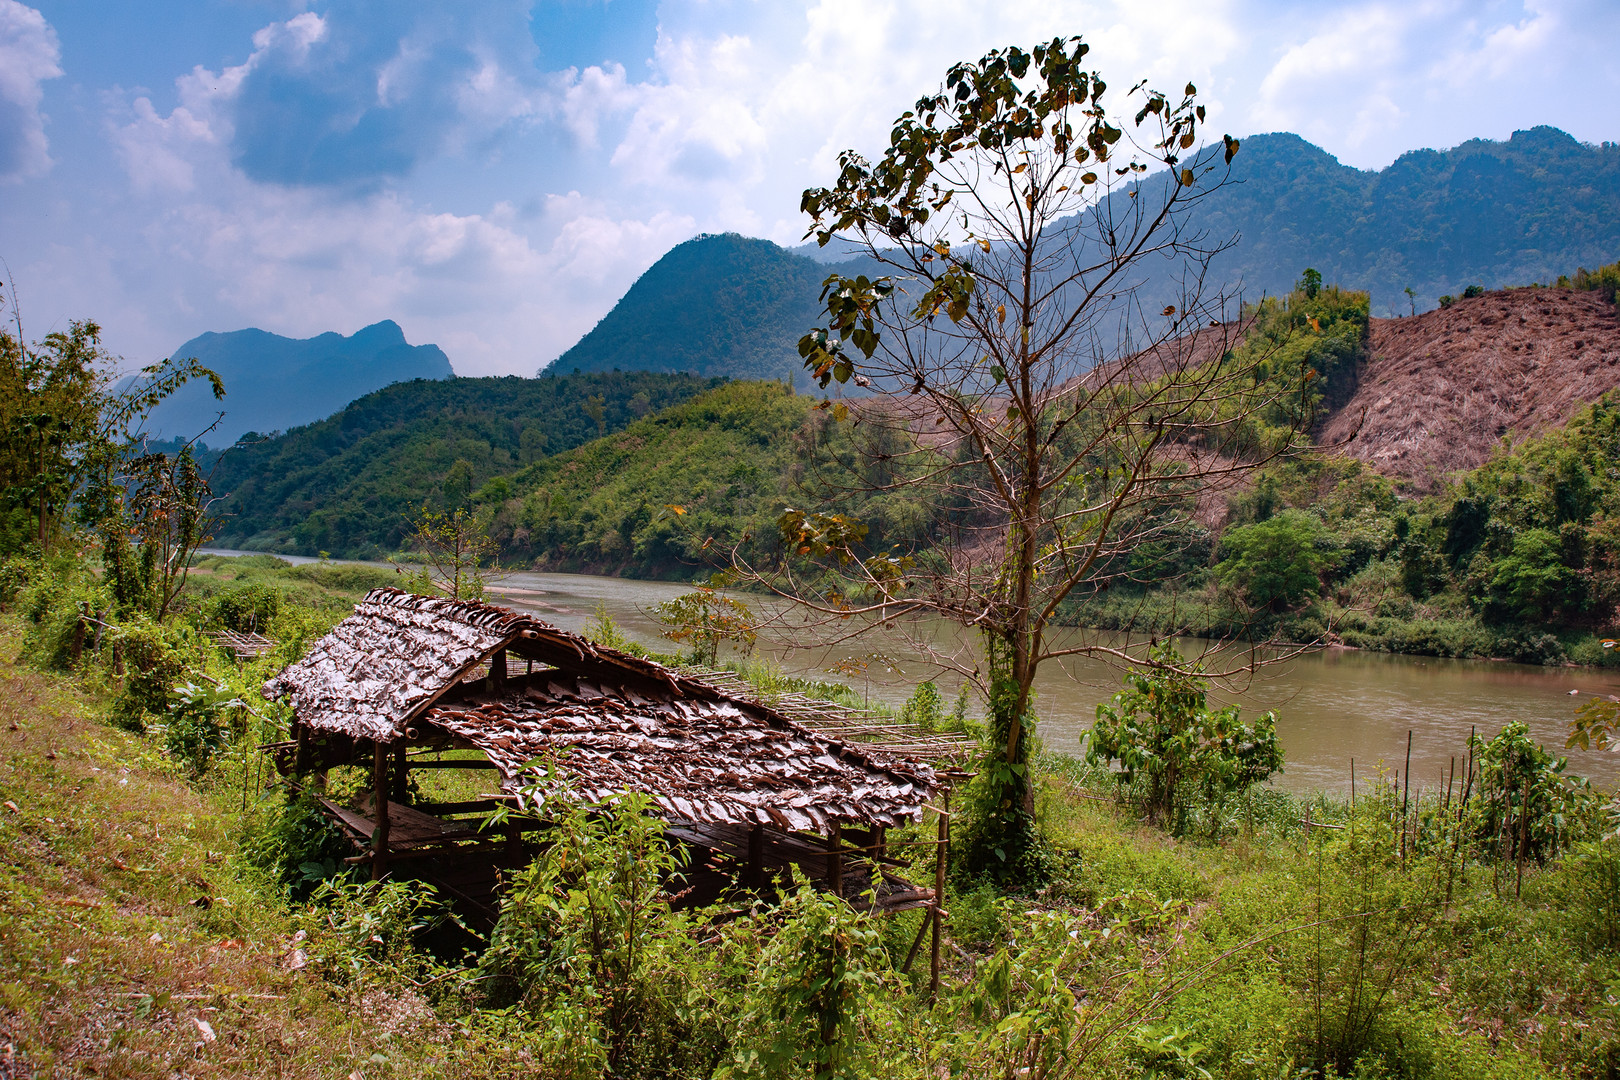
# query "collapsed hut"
(749, 790)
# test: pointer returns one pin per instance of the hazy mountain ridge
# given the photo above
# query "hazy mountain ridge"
(274, 383)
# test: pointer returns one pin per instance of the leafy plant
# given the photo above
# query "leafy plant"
(196, 729)
(705, 617)
(589, 940)
(817, 987)
(1165, 737)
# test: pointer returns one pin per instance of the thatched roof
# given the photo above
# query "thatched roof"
(715, 761)
(611, 722)
(399, 652)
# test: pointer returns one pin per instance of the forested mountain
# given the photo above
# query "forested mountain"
(345, 484)
(717, 305)
(1483, 213)
(273, 383)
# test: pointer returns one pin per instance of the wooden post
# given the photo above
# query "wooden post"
(756, 858)
(301, 756)
(400, 777)
(379, 800)
(880, 847)
(835, 858)
(939, 895)
(1524, 836)
(77, 647)
(497, 670)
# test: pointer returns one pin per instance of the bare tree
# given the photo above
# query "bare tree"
(1052, 420)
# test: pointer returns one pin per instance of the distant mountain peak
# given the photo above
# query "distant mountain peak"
(273, 383)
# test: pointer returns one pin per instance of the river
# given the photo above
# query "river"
(1332, 706)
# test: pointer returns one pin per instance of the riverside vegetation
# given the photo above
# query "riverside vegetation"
(1513, 560)
(166, 911)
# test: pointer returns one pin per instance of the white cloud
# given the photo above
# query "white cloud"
(29, 55)
(1374, 80)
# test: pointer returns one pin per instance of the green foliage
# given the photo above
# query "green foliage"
(1528, 808)
(247, 608)
(197, 727)
(820, 985)
(344, 484)
(1376, 915)
(459, 557)
(1276, 563)
(670, 493)
(293, 841)
(705, 617)
(1604, 280)
(925, 708)
(153, 656)
(590, 943)
(358, 931)
(1163, 734)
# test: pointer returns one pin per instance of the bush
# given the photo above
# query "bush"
(925, 708)
(1164, 736)
(1277, 562)
(196, 729)
(293, 842)
(153, 664)
(247, 608)
(590, 944)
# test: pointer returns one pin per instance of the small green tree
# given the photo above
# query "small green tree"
(818, 982)
(1163, 734)
(461, 558)
(1310, 283)
(705, 617)
(1276, 563)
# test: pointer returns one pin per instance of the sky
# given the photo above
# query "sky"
(494, 174)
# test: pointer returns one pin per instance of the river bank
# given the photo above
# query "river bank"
(1333, 705)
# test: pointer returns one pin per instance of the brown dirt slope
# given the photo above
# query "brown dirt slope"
(1443, 388)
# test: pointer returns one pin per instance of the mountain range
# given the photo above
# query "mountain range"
(1484, 213)
(273, 383)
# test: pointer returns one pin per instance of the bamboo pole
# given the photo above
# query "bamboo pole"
(1406, 794)
(756, 858)
(939, 895)
(379, 793)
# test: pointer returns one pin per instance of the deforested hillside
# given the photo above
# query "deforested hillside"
(1445, 388)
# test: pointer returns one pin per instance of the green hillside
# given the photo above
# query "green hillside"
(727, 459)
(343, 484)
(716, 305)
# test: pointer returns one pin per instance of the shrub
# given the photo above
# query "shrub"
(1278, 562)
(1163, 734)
(819, 985)
(247, 608)
(925, 708)
(295, 844)
(151, 654)
(589, 942)
(196, 729)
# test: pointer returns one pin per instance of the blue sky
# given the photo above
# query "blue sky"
(493, 175)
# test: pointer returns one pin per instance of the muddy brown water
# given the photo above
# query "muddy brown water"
(1332, 706)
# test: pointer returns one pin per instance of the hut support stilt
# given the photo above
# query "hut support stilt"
(756, 858)
(938, 910)
(400, 778)
(835, 858)
(379, 791)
